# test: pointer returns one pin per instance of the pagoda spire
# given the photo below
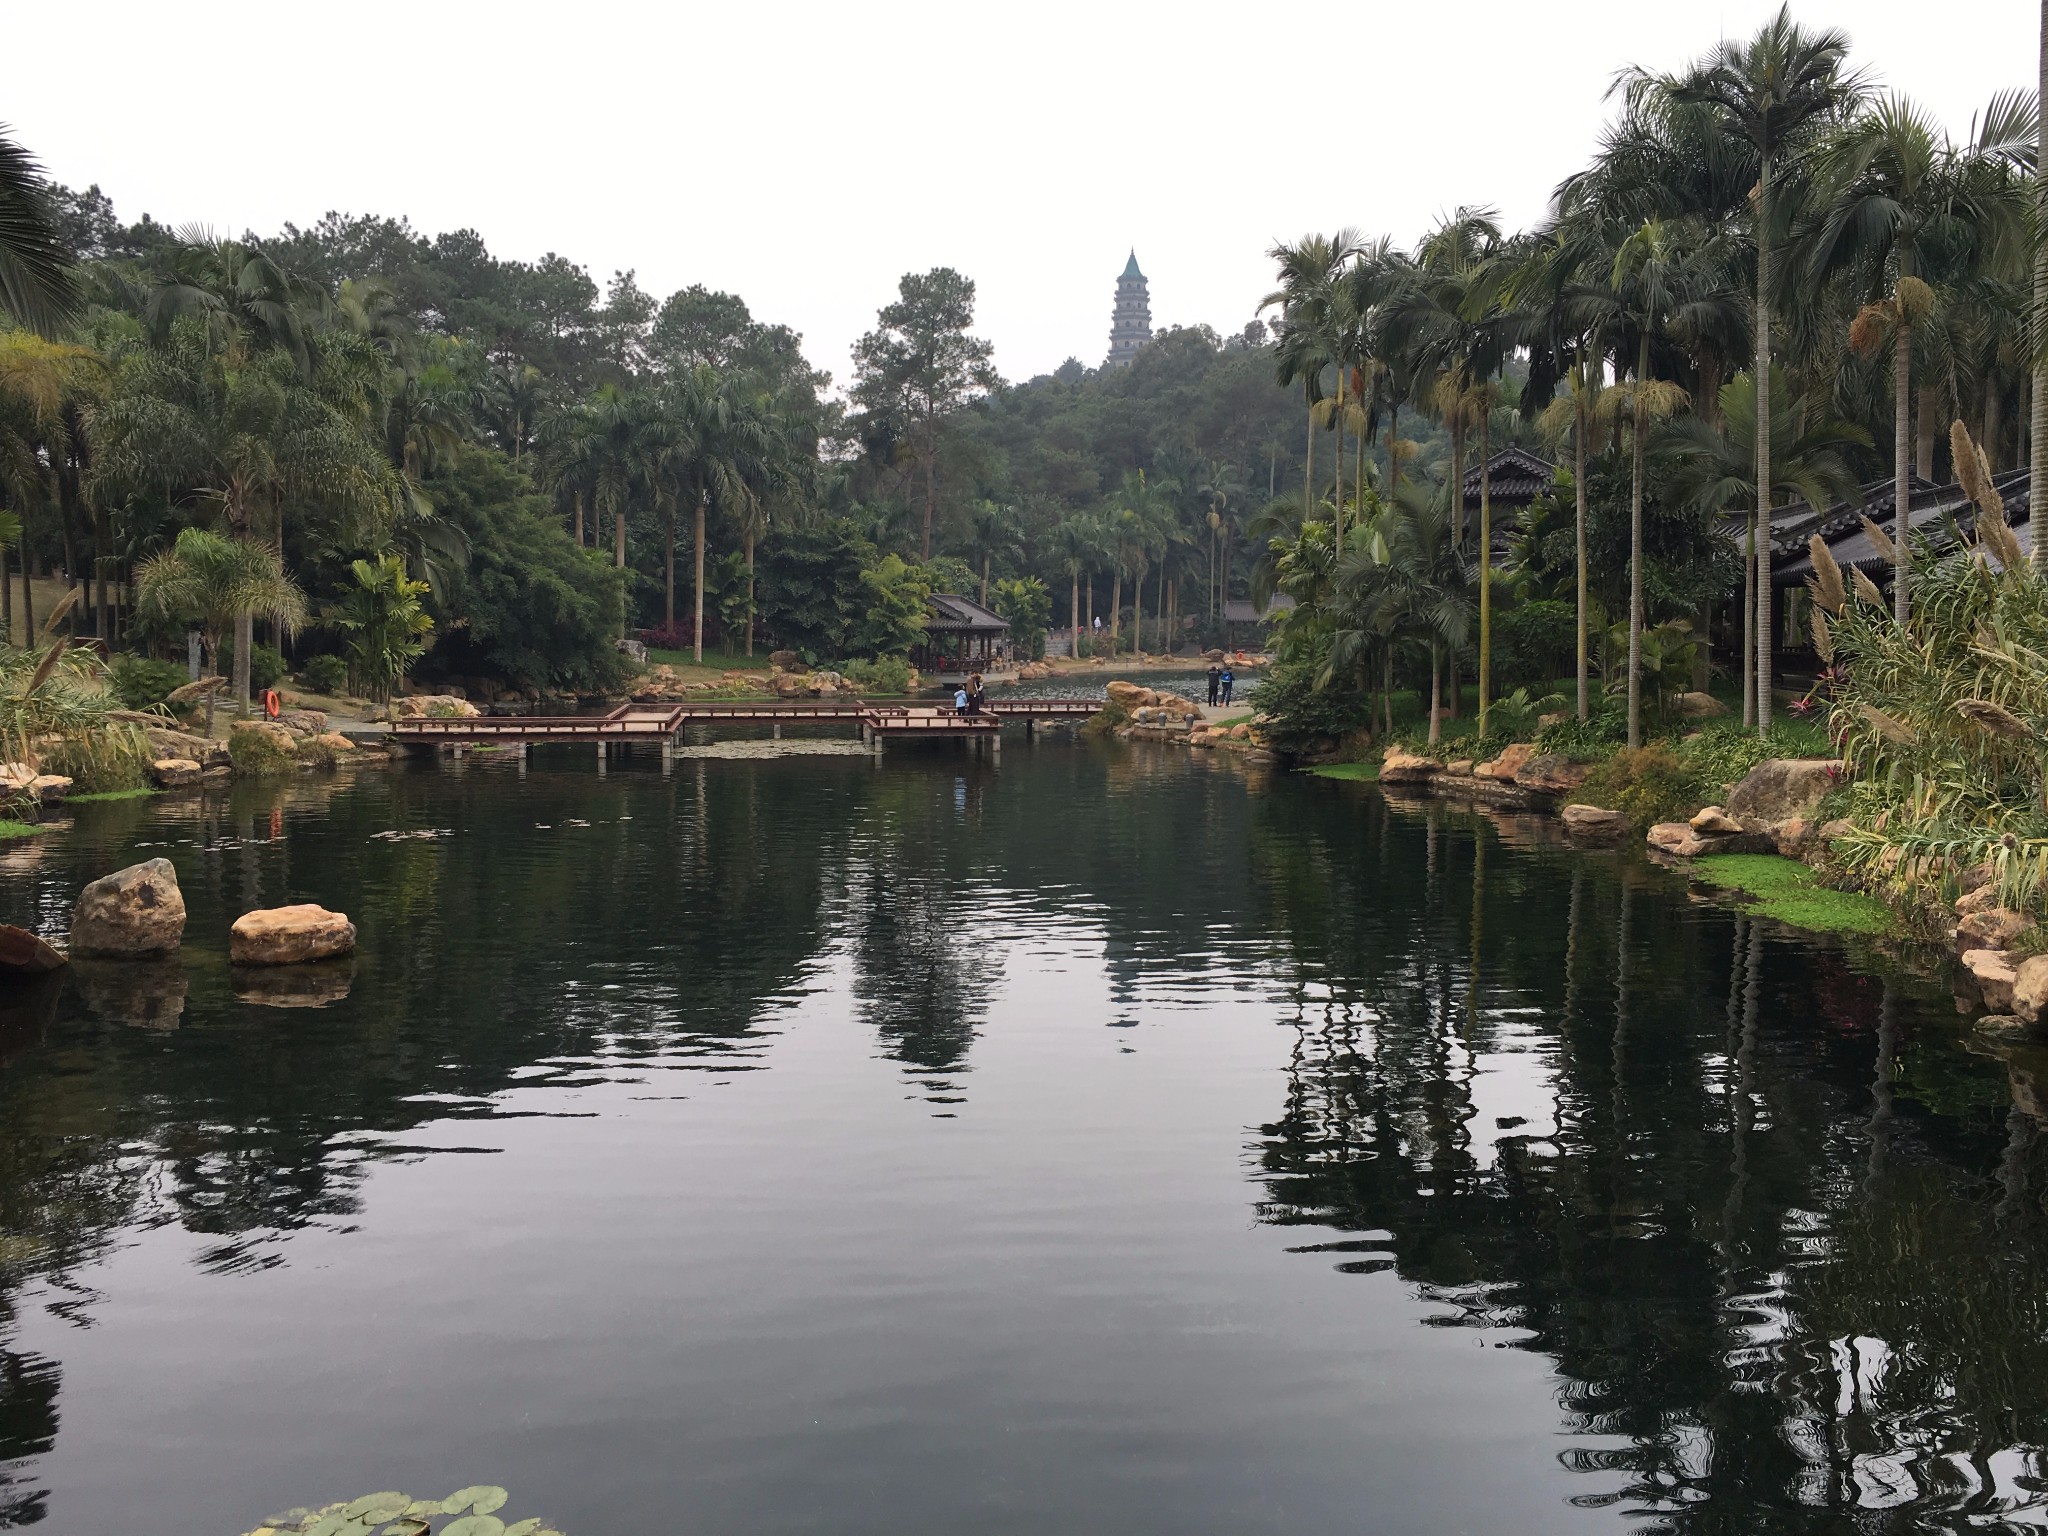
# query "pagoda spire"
(1130, 323)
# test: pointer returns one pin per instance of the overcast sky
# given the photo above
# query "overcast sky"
(806, 155)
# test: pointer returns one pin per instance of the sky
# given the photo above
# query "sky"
(806, 155)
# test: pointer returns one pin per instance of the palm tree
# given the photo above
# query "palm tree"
(240, 433)
(1648, 279)
(212, 582)
(1889, 184)
(236, 291)
(1573, 412)
(1711, 465)
(1402, 573)
(1307, 299)
(37, 286)
(994, 530)
(1079, 540)
(1772, 92)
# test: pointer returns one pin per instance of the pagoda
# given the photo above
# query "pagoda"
(1130, 324)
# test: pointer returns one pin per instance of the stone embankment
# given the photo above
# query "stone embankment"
(1138, 713)
(1521, 778)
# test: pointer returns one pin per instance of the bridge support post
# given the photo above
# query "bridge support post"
(995, 744)
(777, 728)
(521, 750)
(603, 753)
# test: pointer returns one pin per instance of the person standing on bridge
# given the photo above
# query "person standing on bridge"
(960, 700)
(974, 694)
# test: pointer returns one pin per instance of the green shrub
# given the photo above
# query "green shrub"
(1649, 785)
(258, 751)
(111, 757)
(879, 674)
(325, 674)
(143, 682)
(1301, 714)
(1585, 740)
(266, 665)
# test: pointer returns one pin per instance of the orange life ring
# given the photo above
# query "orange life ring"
(273, 706)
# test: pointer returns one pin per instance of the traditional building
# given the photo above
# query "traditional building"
(1130, 324)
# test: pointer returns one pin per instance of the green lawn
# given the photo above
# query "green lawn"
(1356, 773)
(1787, 890)
(109, 794)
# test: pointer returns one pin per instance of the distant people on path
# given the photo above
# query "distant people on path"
(1215, 683)
(1227, 680)
(974, 694)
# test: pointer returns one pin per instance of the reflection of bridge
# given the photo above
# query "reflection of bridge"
(662, 725)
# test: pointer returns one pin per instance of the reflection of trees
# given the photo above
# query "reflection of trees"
(1779, 1277)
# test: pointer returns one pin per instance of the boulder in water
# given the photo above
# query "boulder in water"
(131, 914)
(290, 936)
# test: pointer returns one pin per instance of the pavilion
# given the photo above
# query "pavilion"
(960, 636)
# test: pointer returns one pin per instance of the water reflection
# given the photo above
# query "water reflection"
(1785, 1250)
(1778, 1236)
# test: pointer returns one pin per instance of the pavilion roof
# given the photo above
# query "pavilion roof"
(955, 614)
(1517, 478)
(1932, 512)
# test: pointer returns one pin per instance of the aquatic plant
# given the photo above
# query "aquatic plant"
(396, 1514)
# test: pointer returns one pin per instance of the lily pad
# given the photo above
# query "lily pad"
(523, 1528)
(475, 1525)
(411, 1525)
(378, 1507)
(480, 1499)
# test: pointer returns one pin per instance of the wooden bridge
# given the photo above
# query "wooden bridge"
(662, 725)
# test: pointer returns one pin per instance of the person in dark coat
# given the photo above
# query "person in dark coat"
(1215, 683)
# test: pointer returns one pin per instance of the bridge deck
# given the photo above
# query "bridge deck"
(661, 722)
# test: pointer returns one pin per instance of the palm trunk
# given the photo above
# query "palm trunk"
(1393, 443)
(28, 594)
(1308, 463)
(6, 600)
(1436, 683)
(99, 574)
(1902, 486)
(1923, 448)
(698, 582)
(1749, 623)
(1137, 614)
(669, 574)
(1458, 475)
(1635, 555)
(931, 496)
(984, 578)
(1763, 446)
(1338, 482)
(1994, 419)
(1116, 607)
(579, 520)
(245, 641)
(619, 537)
(750, 594)
(1074, 616)
(1485, 569)
(1579, 531)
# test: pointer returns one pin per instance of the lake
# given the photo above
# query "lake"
(1097, 1139)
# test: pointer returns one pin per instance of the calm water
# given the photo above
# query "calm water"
(1099, 1141)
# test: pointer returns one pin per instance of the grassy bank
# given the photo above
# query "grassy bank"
(1789, 891)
